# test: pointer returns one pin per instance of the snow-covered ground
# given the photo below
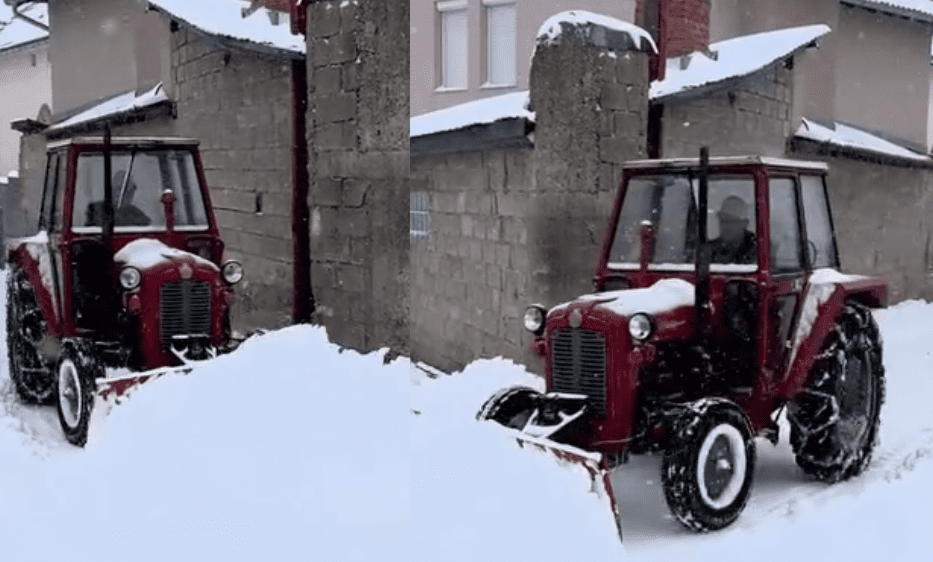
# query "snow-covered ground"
(289, 449)
(286, 449)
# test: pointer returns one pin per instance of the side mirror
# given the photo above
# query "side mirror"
(168, 207)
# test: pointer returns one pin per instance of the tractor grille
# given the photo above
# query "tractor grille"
(579, 365)
(184, 308)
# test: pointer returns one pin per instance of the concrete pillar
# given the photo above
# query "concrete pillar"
(589, 91)
(358, 106)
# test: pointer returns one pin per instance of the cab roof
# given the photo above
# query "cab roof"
(691, 163)
(126, 141)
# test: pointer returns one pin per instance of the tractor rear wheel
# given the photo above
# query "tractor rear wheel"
(707, 471)
(834, 422)
(78, 370)
(510, 407)
(24, 328)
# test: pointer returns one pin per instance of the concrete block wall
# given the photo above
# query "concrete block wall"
(753, 118)
(883, 216)
(239, 104)
(358, 106)
(513, 227)
(470, 275)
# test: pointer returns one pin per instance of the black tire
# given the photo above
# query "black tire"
(77, 372)
(708, 470)
(834, 422)
(510, 406)
(31, 376)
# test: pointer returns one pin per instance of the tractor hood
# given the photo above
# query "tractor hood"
(614, 308)
(148, 253)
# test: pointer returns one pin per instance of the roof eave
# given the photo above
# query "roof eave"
(233, 42)
(827, 148)
(25, 46)
(703, 90)
(164, 108)
(891, 10)
(511, 132)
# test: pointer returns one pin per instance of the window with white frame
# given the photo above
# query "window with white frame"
(500, 42)
(420, 217)
(453, 44)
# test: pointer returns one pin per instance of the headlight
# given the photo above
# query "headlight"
(534, 319)
(639, 326)
(130, 277)
(232, 272)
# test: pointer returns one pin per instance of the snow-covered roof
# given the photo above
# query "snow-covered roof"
(846, 136)
(574, 20)
(15, 32)
(734, 58)
(223, 18)
(479, 112)
(118, 104)
(918, 9)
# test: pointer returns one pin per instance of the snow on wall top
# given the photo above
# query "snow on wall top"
(223, 18)
(15, 32)
(117, 104)
(850, 137)
(486, 110)
(145, 253)
(622, 35)
(736, 57)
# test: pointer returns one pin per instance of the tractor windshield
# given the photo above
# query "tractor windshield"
(669, 203)
(139, 178)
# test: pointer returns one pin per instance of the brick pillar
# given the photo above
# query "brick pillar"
(589, 91)
(358, 105)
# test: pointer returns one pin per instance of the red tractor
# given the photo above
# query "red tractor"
(127, 271)
(702, 329)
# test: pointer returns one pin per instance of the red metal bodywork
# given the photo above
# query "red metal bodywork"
(54, 252)
(780, 368)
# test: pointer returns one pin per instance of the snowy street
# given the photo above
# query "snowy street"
(289, 449)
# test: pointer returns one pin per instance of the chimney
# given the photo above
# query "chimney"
(677, 26)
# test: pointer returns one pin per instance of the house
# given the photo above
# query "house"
(25, 86)
(226, 72)
(459, 46)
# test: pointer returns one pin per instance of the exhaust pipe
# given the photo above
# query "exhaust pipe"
(703, 251)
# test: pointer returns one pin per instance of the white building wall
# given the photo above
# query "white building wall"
(25, 84)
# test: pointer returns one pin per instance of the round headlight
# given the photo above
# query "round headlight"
(639, 326)
(534, 318)
(232, 272)
(130, 277)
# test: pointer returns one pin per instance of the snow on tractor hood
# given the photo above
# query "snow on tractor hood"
(147, 253)
(664, 296)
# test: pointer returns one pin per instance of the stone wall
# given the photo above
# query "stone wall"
(752, 118)
(358, 106)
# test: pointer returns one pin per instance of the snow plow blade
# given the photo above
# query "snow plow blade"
(536, 420)
(594, 463)
(114, 388)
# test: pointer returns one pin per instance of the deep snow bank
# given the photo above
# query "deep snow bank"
(285, 450)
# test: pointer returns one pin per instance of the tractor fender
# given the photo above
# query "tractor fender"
(826, 296)
(31, 255)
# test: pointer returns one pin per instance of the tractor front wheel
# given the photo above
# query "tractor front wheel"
(834, 422)
(75, 384)
(707, 471)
